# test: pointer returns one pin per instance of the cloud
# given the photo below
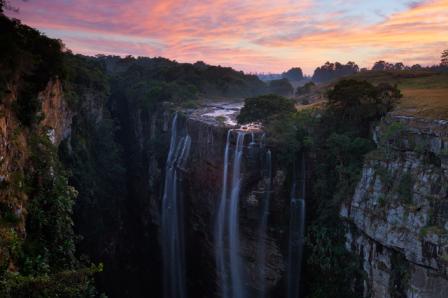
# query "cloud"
(253, 35)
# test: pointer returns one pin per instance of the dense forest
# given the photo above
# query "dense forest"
(87, 146)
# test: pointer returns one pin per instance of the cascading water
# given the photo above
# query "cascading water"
(221, 224)
(296, 234)
(172, 214)
(231, 280)
(234, 241)
(262, 231)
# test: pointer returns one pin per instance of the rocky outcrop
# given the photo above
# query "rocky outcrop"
(398, 214)
(15, 156)
(57, 116)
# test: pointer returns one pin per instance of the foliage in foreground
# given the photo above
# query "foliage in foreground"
(338, 138)
(42, 262)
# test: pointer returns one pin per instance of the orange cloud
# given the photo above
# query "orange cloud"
(253, 35)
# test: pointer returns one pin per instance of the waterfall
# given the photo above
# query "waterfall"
(262, 231)
(231, 280)
(234, 241)
(221, 224)
(296, 234)
(172, 238)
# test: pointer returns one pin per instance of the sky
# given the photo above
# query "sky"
(250, 35)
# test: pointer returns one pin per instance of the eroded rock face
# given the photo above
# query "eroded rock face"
(15, 154)
(57, 114)
(201, 194)
(400, 207)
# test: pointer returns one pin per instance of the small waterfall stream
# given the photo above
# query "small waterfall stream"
(296, 233)
(234, 240)
(172, 226)
(221, 223)
(227, 241)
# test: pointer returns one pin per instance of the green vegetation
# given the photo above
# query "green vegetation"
(341, 139)
(281, 87)
(425, 92)
(264, 108)
(46, 257)
(161, 79)
(400, 275)
(405, 186)
(278, 115)
(360, 101)
(37, 240)
(444, 58)
(294, 74)
(338, 137)
(330, 71)
(305, 89)
(28, 61)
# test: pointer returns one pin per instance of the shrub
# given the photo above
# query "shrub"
(265, 107)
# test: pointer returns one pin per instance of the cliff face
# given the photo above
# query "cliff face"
(15, 156)
(398, 215)
(201, 181)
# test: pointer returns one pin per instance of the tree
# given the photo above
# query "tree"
(305, 89)
(2, 5)
(294, 74)
(361, 102)
(281, 87)
(444, 58)
(264, 108)
(5, 5)
(330, 71)
(382, 66)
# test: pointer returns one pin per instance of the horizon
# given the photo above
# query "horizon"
(252, 36)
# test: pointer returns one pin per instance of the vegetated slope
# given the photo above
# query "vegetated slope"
(164, 79)
(425, 93)
(68, 153)
(37, 241)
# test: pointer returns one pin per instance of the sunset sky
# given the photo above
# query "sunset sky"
(249, 35)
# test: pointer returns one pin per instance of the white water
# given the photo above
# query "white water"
(172, 238)
(221, 224)
(234, 241)
(262, 231)
(227, 224)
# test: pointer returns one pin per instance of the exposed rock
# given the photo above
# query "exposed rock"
(57, 115)
(400, 205)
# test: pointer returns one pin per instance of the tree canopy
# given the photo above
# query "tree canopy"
(265, 107)
(444, 58)
(281, 87)
(294, 74)
(330, 71)
(357, 102)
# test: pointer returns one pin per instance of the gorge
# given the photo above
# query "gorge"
(144, 177)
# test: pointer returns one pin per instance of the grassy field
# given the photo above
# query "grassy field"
(425, 94)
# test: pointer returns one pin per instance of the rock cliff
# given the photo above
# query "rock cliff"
(397, 218)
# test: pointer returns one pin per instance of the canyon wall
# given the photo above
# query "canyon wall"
(201, 192)
(15, 165)
(397, 219)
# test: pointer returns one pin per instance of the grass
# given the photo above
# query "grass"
(425, 94)
(426, 103)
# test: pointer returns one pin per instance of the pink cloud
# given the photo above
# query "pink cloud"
(257, 35)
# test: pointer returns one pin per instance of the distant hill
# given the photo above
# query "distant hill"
(330, 71)
(294, 74)
(188, 81)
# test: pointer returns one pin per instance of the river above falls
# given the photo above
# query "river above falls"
(223, 114)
